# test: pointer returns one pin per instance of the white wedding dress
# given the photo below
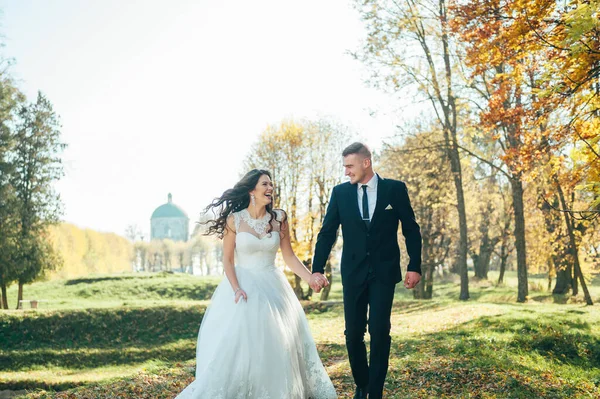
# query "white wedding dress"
(261, 348)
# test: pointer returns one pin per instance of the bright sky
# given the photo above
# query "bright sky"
(167, 96)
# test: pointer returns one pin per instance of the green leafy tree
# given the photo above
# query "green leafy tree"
(37, 165)
(10, 99)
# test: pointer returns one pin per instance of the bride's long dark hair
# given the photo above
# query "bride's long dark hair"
(235, 199)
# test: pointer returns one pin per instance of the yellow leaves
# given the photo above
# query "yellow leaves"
(580, 22)
(86, 251)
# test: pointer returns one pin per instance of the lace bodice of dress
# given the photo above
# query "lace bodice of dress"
(254, 247)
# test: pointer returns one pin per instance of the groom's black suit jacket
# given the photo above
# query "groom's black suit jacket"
(370, 252)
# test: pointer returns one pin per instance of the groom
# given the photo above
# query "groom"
(369, 208)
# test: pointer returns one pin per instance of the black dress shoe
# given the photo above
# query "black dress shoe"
(361, 393)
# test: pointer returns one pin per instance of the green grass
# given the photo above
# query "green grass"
(135, 337)
(118, 290)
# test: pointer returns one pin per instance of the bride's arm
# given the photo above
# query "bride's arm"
(316, 281)
(228, 261)
(289, 257)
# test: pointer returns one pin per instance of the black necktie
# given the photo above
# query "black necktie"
(365, 206)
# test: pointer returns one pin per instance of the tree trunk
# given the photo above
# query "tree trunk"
(484, 262)
(419, 290)
(298, 288)
(504, 246)
(481, 261)
(517, 195)
(428, 293)
(503, 256)
(486, 248)
(4, 297)
(564, 278)
(19, 295)
(475, 259)
(574, 283)
(462, 220)
(424, 289)
(502, 269)
(574, 249)
(448, 120)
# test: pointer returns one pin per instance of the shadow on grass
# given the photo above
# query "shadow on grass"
(560, 340)
(89, 359)
(178, 289)
(87, 339)
(91, 280)
(520, 355)
(407, 307)
(551, 298)
(98, 328)
(498, 354)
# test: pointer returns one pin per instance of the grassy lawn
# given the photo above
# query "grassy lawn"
(134, 336)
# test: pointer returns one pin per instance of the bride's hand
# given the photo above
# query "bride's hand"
(240, 293)
(317, 282)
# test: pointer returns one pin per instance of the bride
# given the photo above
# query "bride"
(254, 340)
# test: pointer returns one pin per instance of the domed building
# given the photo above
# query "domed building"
(169, 221)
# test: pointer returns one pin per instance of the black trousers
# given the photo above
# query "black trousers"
(375, 299)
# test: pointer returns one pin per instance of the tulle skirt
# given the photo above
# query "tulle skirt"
(260, 348)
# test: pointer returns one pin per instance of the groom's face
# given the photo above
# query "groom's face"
(355, 167)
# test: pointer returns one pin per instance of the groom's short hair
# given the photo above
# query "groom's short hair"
(357, 148)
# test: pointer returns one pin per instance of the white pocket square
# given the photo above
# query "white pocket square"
(389, 207)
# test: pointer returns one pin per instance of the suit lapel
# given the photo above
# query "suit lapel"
(354, 205)
(382, 199)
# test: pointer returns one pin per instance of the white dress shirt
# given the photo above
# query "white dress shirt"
(371, 193)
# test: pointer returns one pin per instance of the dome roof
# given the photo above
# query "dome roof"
(169, 210)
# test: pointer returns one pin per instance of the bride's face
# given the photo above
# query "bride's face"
(263, 192)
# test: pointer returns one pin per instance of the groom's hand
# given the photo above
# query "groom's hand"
(317, 282)
(411, 280)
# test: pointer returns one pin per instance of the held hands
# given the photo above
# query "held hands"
(317, 282)
(240, 293)
(411, 280)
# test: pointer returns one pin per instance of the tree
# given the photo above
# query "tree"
(283, 149)
(506, 248)
(537, 63)
(133, 232)
(573, 245)
(10, 99)
(141, 250)
(483, 187)
(567, 33)
(304, 159)
(325, 169)
(428, 177)
(568, 237)
(504, 69)
(199, 250)
(408, 44)
(37, 167)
